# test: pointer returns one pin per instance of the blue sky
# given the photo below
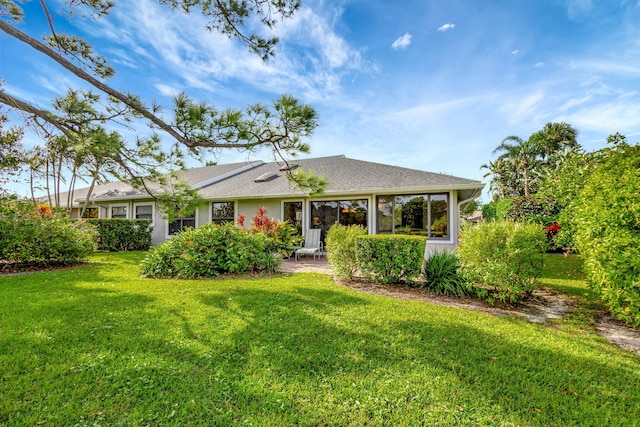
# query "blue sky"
(432, 85)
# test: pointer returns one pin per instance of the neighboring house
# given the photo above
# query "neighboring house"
(384, 198)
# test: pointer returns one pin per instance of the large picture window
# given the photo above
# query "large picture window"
(346, 212)
(222, 212)
(419, 214)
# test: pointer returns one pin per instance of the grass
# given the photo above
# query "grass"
(97, 345)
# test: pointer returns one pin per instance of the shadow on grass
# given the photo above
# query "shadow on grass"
(290, 351)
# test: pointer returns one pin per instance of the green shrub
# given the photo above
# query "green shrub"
(34, 235)
(502, 258)
(284, 233)
(530, 209)
(442, 276)
(341, 249)
(211, 250)
(496, 211)
(607, 218)
(122, 235)
(390, 258)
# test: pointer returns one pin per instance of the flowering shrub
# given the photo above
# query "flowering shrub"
(34, 235)
(284, 233)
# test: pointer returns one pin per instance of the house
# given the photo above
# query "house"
(384, 198)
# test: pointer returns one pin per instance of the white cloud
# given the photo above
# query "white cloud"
(538, 64)
(402, 42)
(167, 90)
(515, 52)
(447, 27)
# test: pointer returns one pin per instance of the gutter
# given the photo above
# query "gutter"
(473, 196)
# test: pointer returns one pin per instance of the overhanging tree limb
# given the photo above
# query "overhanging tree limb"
(79, 72)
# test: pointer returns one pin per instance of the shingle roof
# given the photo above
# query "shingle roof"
(345, 176)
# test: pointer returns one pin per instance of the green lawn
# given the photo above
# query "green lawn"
(97, 345)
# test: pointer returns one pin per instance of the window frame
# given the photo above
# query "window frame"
(430, 234)
(153, 210)
(97, 208)
(119, 205)
(222, 220)
(195, 224)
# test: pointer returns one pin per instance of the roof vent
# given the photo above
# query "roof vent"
(288, 167)
(268, 176)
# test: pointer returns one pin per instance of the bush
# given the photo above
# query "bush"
(530, 209)
(341, 249)
(390, 258)
(442, 276)
(607, 218)
(502, 258)
(284, 233)
(496, 211)
(211, 250)
(34, 235)
(121, 235)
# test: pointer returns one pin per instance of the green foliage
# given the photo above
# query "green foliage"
(607, 219)
(283, 233)
(29, 236)
(12, 155)
(341, 249)
(98, 345)
(516, 172)
(441, 272)
(196, 127)
(496, 210)
(564, 183)
(178, 200)
(502, 258)
(211, 250)
(390, 258)
(530, 209)
(118, 234)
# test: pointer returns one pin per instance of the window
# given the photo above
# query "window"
(118, 211)
(90, 213)
(181, 223)
(420, 214)
(346, 212)
(293, 214)
(143, 211)
(222, 212)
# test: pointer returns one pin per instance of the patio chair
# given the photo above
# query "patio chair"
(312, 244)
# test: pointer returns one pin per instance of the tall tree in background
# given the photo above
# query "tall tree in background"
(194, 126)
(520, 164)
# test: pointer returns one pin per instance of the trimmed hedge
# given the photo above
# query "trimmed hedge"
(122, 235)
(212, 250)
(390, 258)
(341, 249)
(502, 258)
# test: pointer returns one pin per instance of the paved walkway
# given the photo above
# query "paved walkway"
(306, 265)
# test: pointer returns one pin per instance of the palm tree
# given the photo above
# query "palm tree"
(521, 155)
(556, 137)
(520, 162)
